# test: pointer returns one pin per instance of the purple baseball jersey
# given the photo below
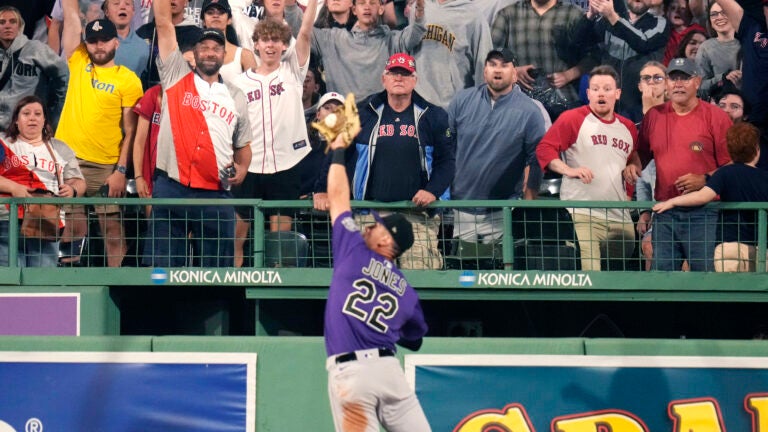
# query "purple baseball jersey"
(370, 304)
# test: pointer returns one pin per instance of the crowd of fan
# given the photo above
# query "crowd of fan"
(459, 99)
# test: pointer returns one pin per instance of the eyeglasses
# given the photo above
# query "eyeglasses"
(717, 14)
(655, 78)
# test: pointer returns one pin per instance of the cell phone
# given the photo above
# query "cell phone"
(224, 175)
(104, 190)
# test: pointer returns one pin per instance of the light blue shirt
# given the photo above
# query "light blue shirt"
(133, 53)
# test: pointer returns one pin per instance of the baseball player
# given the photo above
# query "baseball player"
(370, 308)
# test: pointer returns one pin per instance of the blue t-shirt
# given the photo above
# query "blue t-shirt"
(370, 304)
(739, 183)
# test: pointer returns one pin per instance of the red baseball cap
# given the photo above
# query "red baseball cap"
(402, 61)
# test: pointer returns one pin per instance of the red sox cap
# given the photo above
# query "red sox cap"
(331, 96)
(402, 61)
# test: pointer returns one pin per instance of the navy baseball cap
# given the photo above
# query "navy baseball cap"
(212, 34)
(684, 65)
(505, 54)
(399, 228)
(223, 4)
(100, 29)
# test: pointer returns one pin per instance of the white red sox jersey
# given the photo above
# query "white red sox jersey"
(276, 115)
(200, 127)
(33, 166)
(602, 146)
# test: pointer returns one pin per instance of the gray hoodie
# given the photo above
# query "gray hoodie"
(35, 70)
(452, 54)
(354, 59)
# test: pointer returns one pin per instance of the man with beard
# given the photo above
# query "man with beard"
(203, 147)
(496, 128)
(98, 122)
(627, 44)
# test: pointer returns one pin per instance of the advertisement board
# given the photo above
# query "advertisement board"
(476, 393)
(127, 392)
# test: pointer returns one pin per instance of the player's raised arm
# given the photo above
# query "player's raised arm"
(338, 182)
(345, 126)
(166, 33)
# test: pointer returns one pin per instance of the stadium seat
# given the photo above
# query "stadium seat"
(285, 249)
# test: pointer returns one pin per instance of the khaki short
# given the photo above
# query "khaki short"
(95, 175)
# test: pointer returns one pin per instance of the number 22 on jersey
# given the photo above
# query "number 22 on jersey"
(384, 305)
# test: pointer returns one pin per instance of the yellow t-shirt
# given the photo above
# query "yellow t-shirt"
(96, 96)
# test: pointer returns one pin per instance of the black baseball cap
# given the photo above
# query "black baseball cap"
(212, 34)
(399, 228)
(505, 54)
(100, 29)
(223, 4)
(684, 65)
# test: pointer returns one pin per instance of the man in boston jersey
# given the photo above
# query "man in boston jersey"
(202, 148)
(595, 144)
(370, 308)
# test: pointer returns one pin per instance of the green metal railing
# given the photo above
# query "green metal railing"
(257, 238)
(504, 280)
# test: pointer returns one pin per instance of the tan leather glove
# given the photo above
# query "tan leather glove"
(344, 121)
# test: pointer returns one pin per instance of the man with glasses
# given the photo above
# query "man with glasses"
(404, 134)
(686, 138)
(733, 103)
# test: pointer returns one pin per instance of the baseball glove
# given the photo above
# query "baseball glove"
(344, 121)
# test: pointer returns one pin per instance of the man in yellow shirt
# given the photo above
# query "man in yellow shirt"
(97, 122)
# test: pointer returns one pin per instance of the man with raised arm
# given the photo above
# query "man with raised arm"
(203, 146)
(97, 122)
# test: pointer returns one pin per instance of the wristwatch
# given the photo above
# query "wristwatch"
(121, 169)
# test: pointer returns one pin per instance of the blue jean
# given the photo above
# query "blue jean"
(684, 234)
(32, 252)
(212, 228)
